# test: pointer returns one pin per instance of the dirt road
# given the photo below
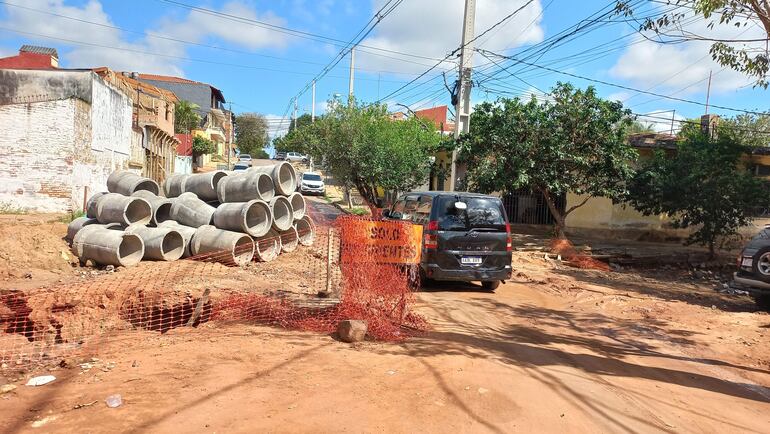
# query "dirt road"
(555, 350)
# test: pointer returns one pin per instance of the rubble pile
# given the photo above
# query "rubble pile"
(242, 216)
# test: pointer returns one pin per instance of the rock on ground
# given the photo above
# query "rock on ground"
(352, 330)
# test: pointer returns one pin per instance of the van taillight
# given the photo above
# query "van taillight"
(509, 240)
(430, 241)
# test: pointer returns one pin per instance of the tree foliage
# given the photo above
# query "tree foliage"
(704, 185)
(363, 146)
(186, 118)
(572, 142)
(638, 127)
(740, 55)
(286, 144)
(251, 133)
(202, 145)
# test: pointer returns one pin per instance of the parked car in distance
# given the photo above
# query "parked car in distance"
(296, 156)
(311, 183)
(241, 166)
(244, 158)
(466, 236)
(754, 268)
(280, 156)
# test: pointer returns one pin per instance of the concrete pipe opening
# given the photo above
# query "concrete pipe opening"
(162, 213)
(216, 177)
(298, 205)
(148, 185)
(285, 179)
(268, 248)
(265, 187)
(283, 216)
(172, 246)
(243, 251)
(131, 250)
(289, 240)
(138, 211)
(305, 231)
(257, 218)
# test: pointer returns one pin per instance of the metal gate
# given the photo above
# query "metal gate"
(525, 206)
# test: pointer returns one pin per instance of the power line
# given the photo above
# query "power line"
(286, 30)
(619, 86)
(170, 56)
(192, 43)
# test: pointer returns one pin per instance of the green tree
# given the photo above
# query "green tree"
(638, 127)
(363, 146)
(704, 186)
(287, 143)
(186, 118)
(747, 56)
(251, 133)
(572, 142)
(202, 145)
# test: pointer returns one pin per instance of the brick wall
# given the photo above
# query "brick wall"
(32, 175)
(48, 161)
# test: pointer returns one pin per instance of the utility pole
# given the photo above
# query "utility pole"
(463, 107)
(708, 94)
(229, 145)
(352, 74)
(312, 108)
(295, 113)
(673, 116)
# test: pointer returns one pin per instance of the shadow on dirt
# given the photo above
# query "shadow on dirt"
(598, 345)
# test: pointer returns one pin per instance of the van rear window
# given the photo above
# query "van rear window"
(480, 213)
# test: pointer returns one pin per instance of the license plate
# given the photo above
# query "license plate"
(747, 262)
(470, 260)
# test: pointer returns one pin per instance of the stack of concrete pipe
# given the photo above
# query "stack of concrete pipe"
(233, 217)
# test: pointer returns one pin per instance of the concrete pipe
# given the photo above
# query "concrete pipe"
(161, 207)
(107, 247)
(126, 210)
(187, 233)
(188, 210)
(174, 185)
(160, 244)
(252, 217)
(76, 225)
(305, 230)
(204, 185)
(93, 204)
(298, 205)
(245, 186)
(224, 246)
(283, 215)
(268, 247)
(283, 174)
(127, 183)
(289, 240)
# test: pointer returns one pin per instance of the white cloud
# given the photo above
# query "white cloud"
(433, 28)
(128, 53)
(676, 66)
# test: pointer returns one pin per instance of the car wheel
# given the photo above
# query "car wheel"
(763, 301)
(490, 285)
(761, 264)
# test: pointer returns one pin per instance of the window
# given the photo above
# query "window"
(422, 214)
(762, 170)
(311, 177)
(480, 213)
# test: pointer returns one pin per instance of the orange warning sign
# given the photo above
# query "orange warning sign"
(388, 242)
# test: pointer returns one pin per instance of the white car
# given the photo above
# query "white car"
(244, 158)
(311, 183)
(296, 156)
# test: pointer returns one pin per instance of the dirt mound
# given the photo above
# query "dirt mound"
(32, 244)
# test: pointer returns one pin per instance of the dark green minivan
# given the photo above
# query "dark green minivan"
(466, 236)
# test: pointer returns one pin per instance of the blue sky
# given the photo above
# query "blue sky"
(260, 69)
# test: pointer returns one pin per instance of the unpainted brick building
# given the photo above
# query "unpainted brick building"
(62, 132)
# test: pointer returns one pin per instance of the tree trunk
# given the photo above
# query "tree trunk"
(556, 213)
(712, 250)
